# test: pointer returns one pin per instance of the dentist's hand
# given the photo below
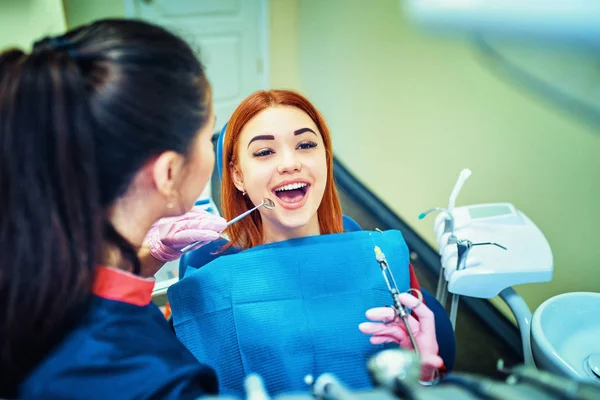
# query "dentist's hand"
(394, 331)
(168, 236)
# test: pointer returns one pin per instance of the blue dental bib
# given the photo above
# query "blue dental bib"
(288, 309)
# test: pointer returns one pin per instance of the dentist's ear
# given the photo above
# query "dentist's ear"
(166, 172)
(238, 179)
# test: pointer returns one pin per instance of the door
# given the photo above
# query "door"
(230, 38)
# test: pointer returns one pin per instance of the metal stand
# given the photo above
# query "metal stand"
(523, 315)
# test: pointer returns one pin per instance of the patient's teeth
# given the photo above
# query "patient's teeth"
(291, 186)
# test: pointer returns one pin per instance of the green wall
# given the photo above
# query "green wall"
(408, 111)
(284, 42)
(24, 21)
(79, 12)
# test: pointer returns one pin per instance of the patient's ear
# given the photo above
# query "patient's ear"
(238, 179)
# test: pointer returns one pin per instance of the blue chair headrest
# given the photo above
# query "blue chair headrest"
(220, 152)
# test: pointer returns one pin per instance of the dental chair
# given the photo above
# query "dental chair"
(207, 253)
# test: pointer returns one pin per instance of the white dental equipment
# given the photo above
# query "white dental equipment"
(572, 20)
(448, 227)
(486, 249)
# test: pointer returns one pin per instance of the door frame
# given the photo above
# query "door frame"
(264, 35)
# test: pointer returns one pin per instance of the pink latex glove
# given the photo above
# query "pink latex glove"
(168, 236)
(394, 331)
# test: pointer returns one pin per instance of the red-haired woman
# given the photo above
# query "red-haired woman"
(289, 302)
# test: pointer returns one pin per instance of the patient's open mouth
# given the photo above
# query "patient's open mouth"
(292, 192)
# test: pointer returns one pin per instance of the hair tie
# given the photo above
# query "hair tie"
(57, 43)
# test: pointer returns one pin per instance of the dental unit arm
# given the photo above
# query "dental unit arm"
(485, 249)
(574, 21)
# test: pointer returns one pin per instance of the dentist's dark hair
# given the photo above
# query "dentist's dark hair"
(79, 117)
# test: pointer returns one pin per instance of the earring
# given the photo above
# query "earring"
(171, 203)
(243, 192)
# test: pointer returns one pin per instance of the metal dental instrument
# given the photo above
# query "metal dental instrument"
(562, 387)
(464, 246)
(442, 288)
(267, 203)
(393, 288)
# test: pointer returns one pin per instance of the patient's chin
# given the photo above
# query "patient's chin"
(298, 224)
(294, 223)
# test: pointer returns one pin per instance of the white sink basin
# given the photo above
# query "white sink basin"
(565, 335)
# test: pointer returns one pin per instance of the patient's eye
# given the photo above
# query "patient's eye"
(306, 145)
(262, 153)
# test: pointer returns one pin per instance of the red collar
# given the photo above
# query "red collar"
(118, 285)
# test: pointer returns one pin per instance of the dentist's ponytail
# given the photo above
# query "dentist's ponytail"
(79, 117)
(50, 215)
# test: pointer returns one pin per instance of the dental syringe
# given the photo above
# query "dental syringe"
(393, 289)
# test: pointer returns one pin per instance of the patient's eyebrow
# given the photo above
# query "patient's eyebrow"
(261, 137)
(302, 130)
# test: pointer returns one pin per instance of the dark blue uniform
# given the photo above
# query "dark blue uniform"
(122, 349)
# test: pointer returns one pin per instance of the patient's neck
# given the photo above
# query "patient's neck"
(276, 233)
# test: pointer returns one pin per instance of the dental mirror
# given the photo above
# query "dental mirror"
(267, 203)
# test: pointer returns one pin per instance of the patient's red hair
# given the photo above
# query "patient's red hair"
(248, 232)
